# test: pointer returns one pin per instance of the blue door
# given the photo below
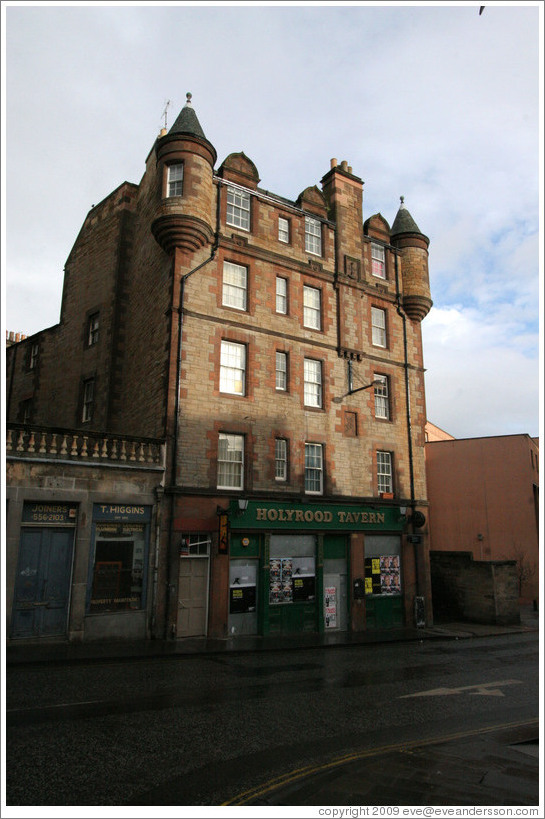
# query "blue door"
(42, 585)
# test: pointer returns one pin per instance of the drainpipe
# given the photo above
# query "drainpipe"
(176, 437)
(408, 404)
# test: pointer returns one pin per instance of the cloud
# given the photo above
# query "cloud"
(477, 381)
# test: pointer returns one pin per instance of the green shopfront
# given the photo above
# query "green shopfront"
(312, 567)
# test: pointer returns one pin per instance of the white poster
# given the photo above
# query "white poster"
(330, 603)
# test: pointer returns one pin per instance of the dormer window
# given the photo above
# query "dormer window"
(238, 208)
(175, 179)
(313, 236)
(378, 267)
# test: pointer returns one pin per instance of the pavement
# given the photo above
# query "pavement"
(21, 652)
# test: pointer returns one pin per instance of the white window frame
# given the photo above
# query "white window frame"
(313, 393)
(94, 326)
(382, 397)
(238, 208)
(312, 307)
(283, 230)
(195, 544)
(233, 368)
(175, 179)
(314, 469)
(384, 472)
(88, 400)
(313, 236)
(378, 325)
(281, 371)
(378, 261)
(235, 286)
(231, 467)
(281, 295)
(280, 459)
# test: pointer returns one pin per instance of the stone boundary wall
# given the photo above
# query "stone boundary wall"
(477, 591)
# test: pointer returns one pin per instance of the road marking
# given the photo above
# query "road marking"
(309, 770)
(491, 689)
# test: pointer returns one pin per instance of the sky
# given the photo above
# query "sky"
(434, 102)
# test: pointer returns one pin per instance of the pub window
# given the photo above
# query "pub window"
(384, 472)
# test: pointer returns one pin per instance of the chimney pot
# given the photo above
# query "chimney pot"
(333, 163)
(344, 165)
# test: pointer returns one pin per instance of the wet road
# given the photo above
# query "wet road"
(202, 730)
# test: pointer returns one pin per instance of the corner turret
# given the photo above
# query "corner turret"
(413, 246)
(185, 167)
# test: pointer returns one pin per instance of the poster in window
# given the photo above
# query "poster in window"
(330, 604)
(242, 599)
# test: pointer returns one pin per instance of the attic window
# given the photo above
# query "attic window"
(238, 208)
(378, 268)
(313, 236)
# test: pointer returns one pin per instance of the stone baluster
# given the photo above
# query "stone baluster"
(31, 442)
(9, 443)
(53, 448)
(95, 449)
(141, 453)
(123, 456)
(43, 447)
(64, 445)
(20, 441)
(133, 451)
(104, 450)
(113, 453)
(74, 449)
(84, 447)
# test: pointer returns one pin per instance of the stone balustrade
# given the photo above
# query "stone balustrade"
(91, 447)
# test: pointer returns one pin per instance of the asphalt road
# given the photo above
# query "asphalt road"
(232, 729)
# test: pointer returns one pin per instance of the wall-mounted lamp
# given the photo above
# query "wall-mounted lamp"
(242, 504)
(480, 537)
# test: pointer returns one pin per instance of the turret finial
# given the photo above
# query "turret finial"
(188, 97)
(402, 199)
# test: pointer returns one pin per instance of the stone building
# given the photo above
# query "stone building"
(266, 355)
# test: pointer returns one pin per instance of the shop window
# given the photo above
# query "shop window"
(119, 565)
(238, 208)
(235, 286)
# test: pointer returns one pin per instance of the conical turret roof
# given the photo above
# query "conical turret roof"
(187, 122)
(404, 222)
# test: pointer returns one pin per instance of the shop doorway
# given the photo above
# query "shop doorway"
(243, 596)
(42, 585)
(335, 601)
(193, 585)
